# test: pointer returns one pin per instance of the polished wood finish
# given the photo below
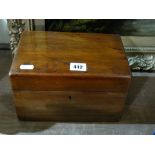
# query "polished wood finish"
(69, 105)
(52, 92)
(70, 83)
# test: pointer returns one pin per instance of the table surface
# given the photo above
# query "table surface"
(138, 117)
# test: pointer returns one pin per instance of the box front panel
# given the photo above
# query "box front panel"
(70, 83)
(69, 105)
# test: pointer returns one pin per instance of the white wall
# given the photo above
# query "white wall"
(4, 33)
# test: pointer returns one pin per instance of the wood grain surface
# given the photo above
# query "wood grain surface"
(97, 94)
(69, 105)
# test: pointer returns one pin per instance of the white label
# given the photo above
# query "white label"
(78, 66)
(27, 66)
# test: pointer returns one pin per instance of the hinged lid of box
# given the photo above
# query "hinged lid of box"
(70, 61)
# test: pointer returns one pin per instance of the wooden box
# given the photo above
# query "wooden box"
(61, 76)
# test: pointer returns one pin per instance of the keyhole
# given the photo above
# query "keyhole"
(70, 97)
